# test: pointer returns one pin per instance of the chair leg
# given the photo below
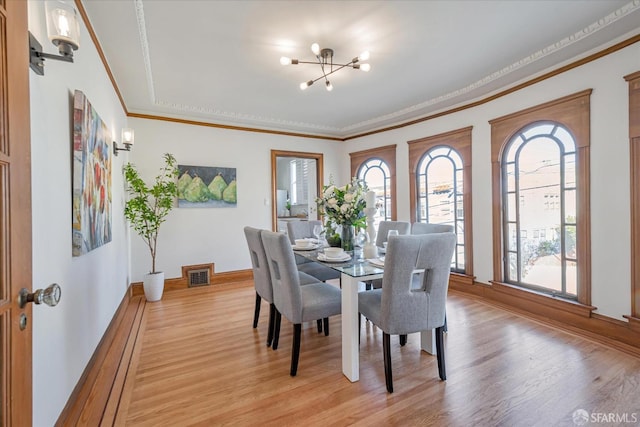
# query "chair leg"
(272, 319)
(256, 312)
(295, 350)
(403, 340)
(440, 350)
(276, 330)
(319, 321)
(386, 350)
(326, 326)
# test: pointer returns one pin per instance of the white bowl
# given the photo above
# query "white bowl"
(303, 243)
(333, 252)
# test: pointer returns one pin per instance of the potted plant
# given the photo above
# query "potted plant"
(146, 209)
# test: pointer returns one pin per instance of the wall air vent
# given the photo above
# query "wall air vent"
(198, 277)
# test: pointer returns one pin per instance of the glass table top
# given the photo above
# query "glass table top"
(355, 267)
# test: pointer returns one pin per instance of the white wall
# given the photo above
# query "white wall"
(610, 180)
(65, 337)
(93, 285)
(203, 235)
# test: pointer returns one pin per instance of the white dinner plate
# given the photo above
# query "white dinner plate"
(323, 257)
(306, 248)
(379, 262)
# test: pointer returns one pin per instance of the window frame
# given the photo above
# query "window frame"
(572, 112)
(634, 160)
(549, 205)
(460, 141)
(388, 155)
(456, 212)
(387, 179)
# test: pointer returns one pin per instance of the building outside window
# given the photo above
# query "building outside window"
(539, 172)
(440, 186)
(375, 172)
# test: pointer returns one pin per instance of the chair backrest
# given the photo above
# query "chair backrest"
(424, 228)
(284, 275)
(301, 229)
(384, 227)
(407, 309)
(261, 274)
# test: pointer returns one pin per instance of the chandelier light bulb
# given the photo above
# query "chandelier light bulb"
(285, 61)
(315, 48)
(329, 86)
(365, 67)
(305, 85)
(364, 56)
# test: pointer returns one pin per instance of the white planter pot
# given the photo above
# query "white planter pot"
(153, 286)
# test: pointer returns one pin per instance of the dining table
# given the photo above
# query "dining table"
(352, 272)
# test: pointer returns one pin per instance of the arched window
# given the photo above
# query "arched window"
(541, 217)
(439, 184)
(377, 167)
(440, 191)
(375, 172)
(539, 201)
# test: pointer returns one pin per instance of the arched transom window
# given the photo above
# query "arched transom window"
(440, 183)
(539, 209)
(375, 172)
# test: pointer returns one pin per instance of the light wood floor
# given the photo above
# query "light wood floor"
(198, 361)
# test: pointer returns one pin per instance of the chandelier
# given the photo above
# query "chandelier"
(328, 67)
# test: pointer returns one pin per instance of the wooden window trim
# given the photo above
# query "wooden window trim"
(460, 140)
(634, 156)
(386, 153)
(573, 112)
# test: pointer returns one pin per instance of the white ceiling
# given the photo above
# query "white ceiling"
(218, 61)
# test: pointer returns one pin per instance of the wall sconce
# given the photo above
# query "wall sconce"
(127, 141)
(63, 29)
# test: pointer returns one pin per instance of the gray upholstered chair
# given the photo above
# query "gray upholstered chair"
(384, 227)
(297, 303)
(424, 228)
(262, 278)
(302, 230)
(383, 230)
(399, 308)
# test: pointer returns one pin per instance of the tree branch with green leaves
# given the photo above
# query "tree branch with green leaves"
(148, 206)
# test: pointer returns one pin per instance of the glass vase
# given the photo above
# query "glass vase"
(348, 237)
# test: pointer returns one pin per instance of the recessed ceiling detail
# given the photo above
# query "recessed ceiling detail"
(215, 62)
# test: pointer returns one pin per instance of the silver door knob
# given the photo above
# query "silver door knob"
(50, 296)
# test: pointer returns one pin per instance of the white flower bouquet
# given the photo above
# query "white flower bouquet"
(344, 205)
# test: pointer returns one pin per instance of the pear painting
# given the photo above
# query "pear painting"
(217, 186)
(183, 182)
(207, 187)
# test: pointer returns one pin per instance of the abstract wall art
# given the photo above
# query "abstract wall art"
(92, 157)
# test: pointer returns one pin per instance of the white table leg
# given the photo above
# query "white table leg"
(428, 341)
(350, 332)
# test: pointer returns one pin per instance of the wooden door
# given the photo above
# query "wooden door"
(15, 214)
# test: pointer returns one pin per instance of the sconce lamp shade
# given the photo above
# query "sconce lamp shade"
(63, 27)
(127, 136)
(127, 141)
